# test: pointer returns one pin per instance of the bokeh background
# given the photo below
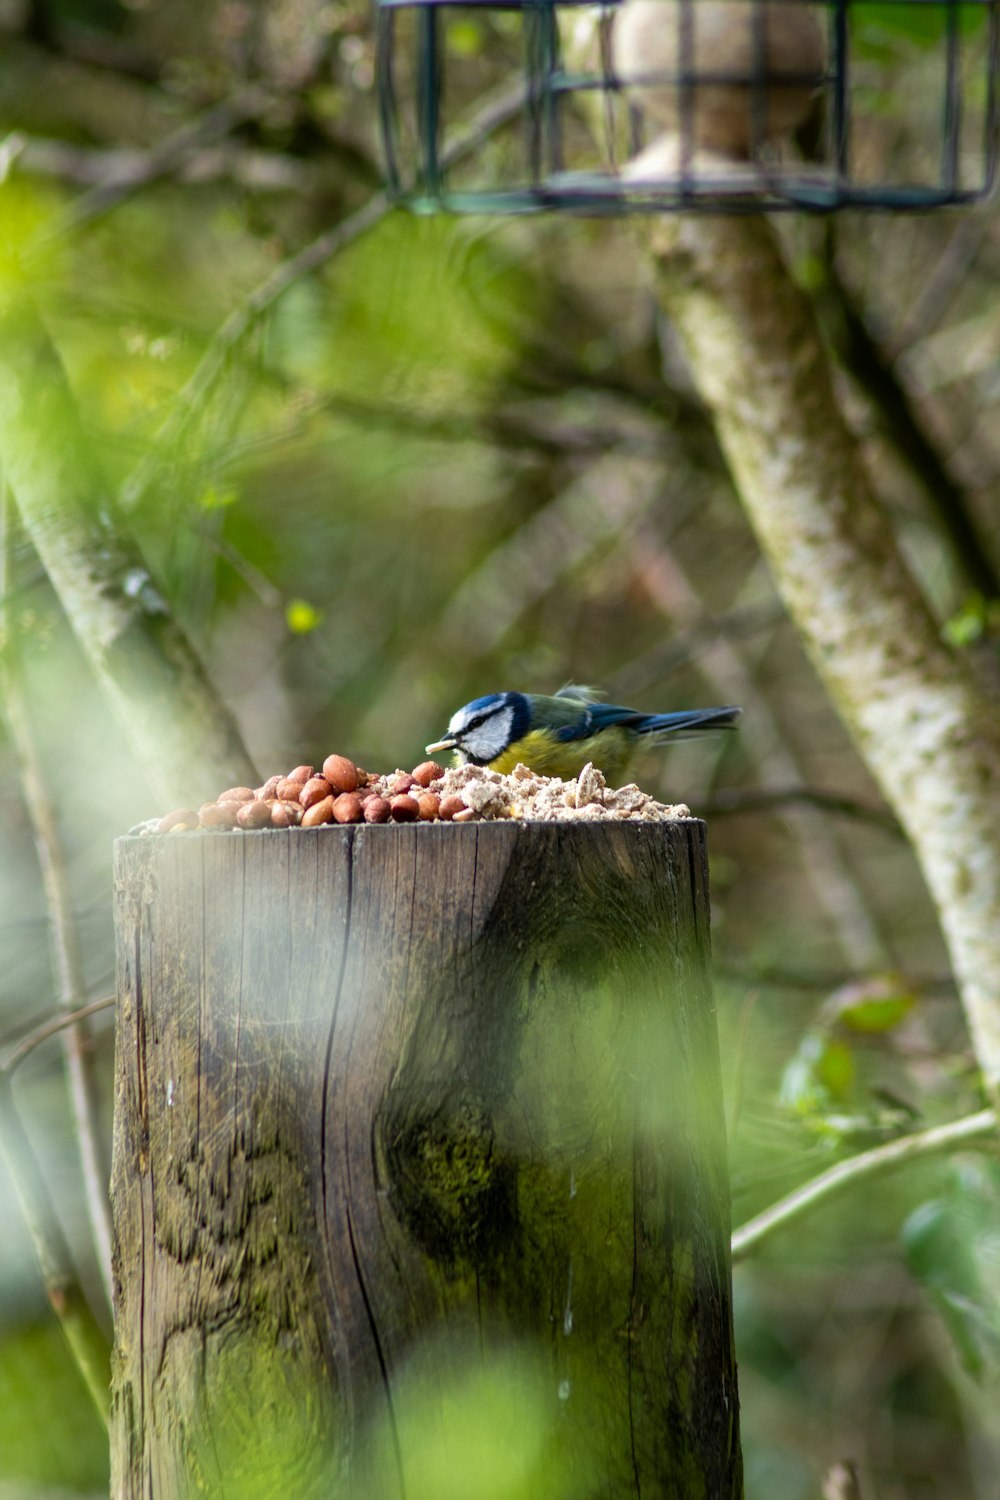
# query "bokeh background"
(458, 455)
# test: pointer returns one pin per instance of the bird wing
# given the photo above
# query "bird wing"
(598, 716)
(561, 717)
(593, 717)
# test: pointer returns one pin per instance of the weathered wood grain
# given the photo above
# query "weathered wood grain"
(400, 1104)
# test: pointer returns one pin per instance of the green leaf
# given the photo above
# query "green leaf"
(301, 617)
(968, 623)
(465, 38)
(821, 1070)
(216, 498)
(947, 1252)
(37, 1379)
(922, 24)
(835, 1069)
(872, 1005)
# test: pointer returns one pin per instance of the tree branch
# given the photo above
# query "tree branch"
(134, 170)
(846, 1174)
(183, 734)
(861, 356)
(821, 981)
(723, 664)
(26, 1044)
(191, 400)
(128, 169)
(972, 230)
(761, 799)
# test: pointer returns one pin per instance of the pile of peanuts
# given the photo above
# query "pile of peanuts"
(340, 793)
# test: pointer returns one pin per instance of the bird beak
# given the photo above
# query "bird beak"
(441, 745)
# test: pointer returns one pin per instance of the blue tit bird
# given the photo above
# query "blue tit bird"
(557, 736)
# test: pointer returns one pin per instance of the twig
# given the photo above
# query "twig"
(724, 665)
(875, 374)
(136, 170)
(749, 1236)
(66, 958)
(840, 1482)
(87, 1343)
(945, 280)
(66, 1296)
(690, 640)
(603, 502)
(759, 799)
(255, 580)
(824, 979)
(25, 1045)
(191, 400)
(92, 50)
(98, 167)
(598, 505)
(529, 426)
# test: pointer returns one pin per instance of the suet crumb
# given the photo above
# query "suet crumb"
(547, 799)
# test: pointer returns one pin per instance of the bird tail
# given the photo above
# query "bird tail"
(685, 722)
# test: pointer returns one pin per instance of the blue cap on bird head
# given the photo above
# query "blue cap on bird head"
(482, 730)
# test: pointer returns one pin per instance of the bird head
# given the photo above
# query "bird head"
(484, 728)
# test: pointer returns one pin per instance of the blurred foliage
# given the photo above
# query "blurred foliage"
(49, 1436)
(492, 1432)
(975, 620)
(424, 410)
(831, 1070)
(952, 1245)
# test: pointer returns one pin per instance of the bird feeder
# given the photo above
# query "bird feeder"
(513, 106)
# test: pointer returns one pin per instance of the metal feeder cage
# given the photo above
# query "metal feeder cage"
(512, 106)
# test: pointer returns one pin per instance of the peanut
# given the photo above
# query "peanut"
(218, 815)
(288, 789)
(182, 817)
(341, 773)
(254, 815)
(285, 814)
(320, 812)
(429, 805)
(347, 808)
(314, 790)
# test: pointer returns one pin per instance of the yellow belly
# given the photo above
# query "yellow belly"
(609, 751)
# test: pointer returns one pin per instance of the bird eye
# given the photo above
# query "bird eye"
(475, 723)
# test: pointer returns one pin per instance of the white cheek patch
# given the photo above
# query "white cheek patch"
(489, 740)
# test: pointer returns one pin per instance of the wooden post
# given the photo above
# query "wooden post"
(419, 1167)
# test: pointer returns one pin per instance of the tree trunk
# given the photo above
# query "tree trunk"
(419, 1174)
(924, 727)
